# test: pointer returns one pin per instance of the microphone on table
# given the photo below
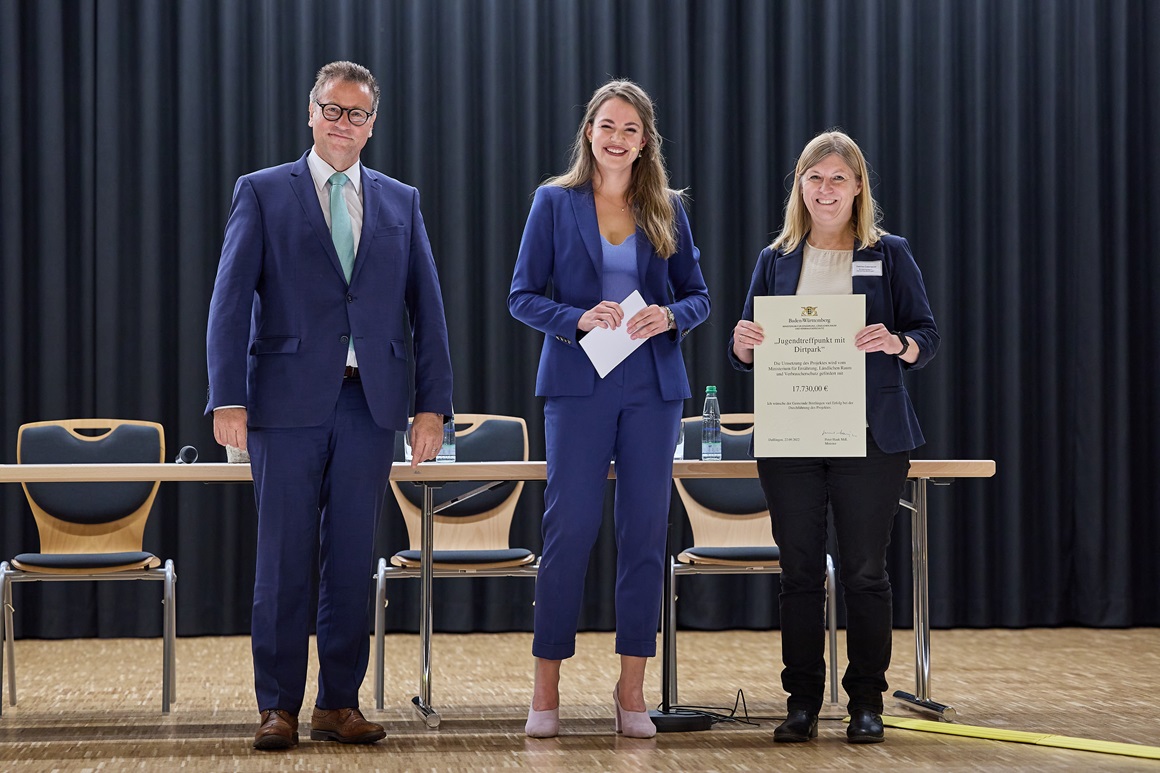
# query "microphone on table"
(187, 455)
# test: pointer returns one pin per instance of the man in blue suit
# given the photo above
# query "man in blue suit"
(308, 370)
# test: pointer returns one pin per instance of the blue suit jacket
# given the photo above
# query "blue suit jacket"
(281, 311)
(898, 300)
(561, 247)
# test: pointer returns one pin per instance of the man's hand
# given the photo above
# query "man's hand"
(426, 437)
(229, 427)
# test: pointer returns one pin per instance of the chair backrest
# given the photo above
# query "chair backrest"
(95, 517)
(484, 521)
(725, 512)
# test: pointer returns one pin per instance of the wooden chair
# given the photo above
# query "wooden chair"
(471, 524)
(732, 534)
(91, 531)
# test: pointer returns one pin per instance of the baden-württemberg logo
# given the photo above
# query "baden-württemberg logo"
(809, 311)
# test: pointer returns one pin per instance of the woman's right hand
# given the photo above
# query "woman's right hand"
(606, 314)
(746, 335)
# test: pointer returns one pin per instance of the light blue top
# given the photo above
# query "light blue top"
(620, 272)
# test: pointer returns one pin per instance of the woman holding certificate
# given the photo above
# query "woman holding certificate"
(607, 230)
(831, 243)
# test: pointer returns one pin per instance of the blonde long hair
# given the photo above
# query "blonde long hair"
(648, 190)
(866, 217)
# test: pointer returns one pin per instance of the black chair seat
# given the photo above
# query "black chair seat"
(740, 555)
(468, 557)
(94, 561)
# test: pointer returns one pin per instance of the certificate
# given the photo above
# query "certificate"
(809, 380)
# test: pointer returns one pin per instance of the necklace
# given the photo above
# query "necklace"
(613, 203)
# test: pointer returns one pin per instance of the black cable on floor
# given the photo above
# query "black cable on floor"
(719, 714)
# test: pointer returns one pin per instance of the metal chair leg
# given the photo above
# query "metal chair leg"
(168, 657)
(9, 633)
(4, 626)
(380, 629)
(832, 625)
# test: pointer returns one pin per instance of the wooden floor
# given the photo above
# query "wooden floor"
(95, 705)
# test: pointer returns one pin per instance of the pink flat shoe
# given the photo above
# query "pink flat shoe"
(633, 724)
(543, 724)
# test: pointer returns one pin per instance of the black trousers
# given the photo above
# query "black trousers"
(863, 494)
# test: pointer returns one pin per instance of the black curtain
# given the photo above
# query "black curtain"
(1010, 142)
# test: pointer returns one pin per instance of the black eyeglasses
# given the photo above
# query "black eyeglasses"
(356, 115)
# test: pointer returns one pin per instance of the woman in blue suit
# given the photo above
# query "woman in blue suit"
(606, 227)
(831, 244)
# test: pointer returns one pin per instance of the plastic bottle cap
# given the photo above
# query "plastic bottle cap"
(710, 390)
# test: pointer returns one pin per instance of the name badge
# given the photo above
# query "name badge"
(866, 268)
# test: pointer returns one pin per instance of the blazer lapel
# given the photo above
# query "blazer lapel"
(870, 286)
(584, 207)
(371, 188)
(644, 253)
(303, 185)
(787, 270)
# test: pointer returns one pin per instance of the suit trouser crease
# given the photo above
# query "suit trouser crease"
(319, 492)
(863, 495)
(626, 416)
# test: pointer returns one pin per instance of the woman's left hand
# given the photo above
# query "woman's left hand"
(647, 322)
(876, 338)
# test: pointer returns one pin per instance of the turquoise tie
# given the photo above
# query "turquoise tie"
(341, 230)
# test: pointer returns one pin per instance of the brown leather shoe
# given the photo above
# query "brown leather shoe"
(344, 726)
(279, 730)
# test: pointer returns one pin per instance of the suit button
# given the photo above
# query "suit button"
(345, 339)
(350, 299)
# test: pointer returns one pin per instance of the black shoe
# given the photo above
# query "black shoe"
(865, 727)
(799, 726)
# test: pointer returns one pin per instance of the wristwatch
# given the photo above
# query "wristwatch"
(905, 343)
(672, 319)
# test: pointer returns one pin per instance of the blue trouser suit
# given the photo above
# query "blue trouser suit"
(625, 417)
(319, 492)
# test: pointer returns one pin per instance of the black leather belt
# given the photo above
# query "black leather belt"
(350, 372)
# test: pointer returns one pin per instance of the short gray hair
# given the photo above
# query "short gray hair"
(346, 71)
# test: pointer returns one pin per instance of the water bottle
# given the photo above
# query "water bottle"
(679, 451)
(711, 427)
(446, 451)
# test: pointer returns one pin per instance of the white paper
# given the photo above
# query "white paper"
(809, 379)
(606, 347)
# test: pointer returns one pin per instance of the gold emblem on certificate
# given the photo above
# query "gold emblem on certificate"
(809, 380)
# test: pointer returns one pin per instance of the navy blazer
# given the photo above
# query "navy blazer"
(561, 248)
(898, 300)
(282, 313)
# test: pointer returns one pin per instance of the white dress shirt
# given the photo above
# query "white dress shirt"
(321, 171)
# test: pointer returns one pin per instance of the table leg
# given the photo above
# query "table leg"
(921, 700)
(422, 701)
(668, 719)
(669, 640)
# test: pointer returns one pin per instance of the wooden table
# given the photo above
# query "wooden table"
(432, 475)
